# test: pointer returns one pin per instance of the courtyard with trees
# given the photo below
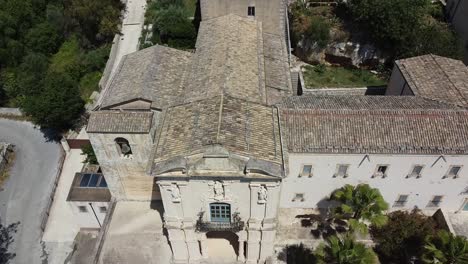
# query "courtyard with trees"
(390, 29)
(359, 214)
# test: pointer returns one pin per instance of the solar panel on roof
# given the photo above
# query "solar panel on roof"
(85, 180)
(103, 182)
(94, 180)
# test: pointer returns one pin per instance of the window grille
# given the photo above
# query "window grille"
(306, 171)
(342, 171)
(251, 11)
(220, 212)
(416, 172)
(436, 201)
(401, 201)
(453, 172)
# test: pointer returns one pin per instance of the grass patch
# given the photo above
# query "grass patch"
(190, 6)
(88, 84)
(321, 76)
(5, 172)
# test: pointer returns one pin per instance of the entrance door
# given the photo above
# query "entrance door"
(222, 246)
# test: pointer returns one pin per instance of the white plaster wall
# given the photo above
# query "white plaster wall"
(88, 219)
(199, 194)
(420, 191)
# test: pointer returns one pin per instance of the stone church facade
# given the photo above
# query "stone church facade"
(221, 138)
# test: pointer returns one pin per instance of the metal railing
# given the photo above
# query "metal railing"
(234, 226)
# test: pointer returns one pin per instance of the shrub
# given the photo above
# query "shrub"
(90, 155)
(403, 237)
(318, 32)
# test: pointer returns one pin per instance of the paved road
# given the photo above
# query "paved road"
(132, 25)
(25, 193)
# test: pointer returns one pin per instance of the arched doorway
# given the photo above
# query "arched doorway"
(222, 246)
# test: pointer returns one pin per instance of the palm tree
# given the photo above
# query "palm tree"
(360, 205)
(446, 248)
(344, 250)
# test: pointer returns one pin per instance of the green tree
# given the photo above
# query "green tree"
(90, 155)
(437, 38)
(95, 21)
(68, 59)
(360, 205)
(403, 237)
(392, 24)
(43, 38)
(58, 106)
(174, 28)
(31, 73)
(344, 250)
(445, 248)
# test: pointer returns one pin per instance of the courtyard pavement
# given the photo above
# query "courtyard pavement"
(25, 194)
(61, 229)
(135, 235)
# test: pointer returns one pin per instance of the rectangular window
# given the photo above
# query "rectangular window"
(306, 171)
(82, 209)
(453, 171)
(342, 171)
(220, 212)
(416, 171)
(102, 209)
(401, 201)
(381, 171)
(251, 11)
(298, 197)
(436, 201)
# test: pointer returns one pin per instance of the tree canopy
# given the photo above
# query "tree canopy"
(445, 248)
(360, 205)
(403, 237)
(406, 27)
(344, 250)
(43, 38)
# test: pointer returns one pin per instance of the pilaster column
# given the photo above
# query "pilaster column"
(273, 200)
(178, 245)
(204, 246)
(256, 210)
(241, 256)
(242, 238)
(253, 246)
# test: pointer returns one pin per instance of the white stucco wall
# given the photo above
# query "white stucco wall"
(88, 219)
(197, 195)
(420, 191)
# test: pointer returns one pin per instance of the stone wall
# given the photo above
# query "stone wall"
(126, 176)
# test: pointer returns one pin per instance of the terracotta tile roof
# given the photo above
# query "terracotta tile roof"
(243, 128)
(227, 60)
(356, 102)
(437, 78)
(356, 124)
(119, 122)
(154, 74)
